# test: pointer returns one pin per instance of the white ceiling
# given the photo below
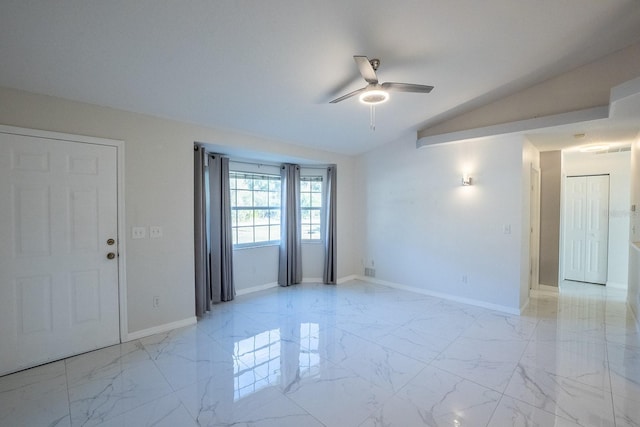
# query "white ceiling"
(270, 67)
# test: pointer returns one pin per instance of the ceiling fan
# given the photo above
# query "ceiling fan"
(375, 93)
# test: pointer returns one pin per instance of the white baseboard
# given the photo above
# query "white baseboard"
(347, 279)
(617, 285)
(256, 288)
(161, 328)
(442, 295)
(634, 314)
(544, 290)
(304, 280)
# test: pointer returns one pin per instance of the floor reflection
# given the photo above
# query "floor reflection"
(268, 359)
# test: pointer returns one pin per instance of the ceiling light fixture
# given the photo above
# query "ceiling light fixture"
(593, 148)
(374, 97)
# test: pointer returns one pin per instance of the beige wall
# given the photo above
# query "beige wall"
(159, 191)
(550, 185)
(421, 229)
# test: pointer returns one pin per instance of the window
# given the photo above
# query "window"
(255, 208)
(310, 206)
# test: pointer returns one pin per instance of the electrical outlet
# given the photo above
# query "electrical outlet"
(138, 232)
(506, 229)
(465, 279)
(155, 231)
(156, 301)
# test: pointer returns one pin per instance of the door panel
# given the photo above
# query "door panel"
(597, 232)
(586, 228)
(574, 229)
(58, 291)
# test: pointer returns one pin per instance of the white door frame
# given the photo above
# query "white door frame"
(119, 145)
(534, 229)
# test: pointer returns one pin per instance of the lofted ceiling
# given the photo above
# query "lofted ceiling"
(270, 68)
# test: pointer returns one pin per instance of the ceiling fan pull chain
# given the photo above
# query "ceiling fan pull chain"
(372, 118)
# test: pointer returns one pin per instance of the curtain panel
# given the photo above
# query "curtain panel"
(221, 242)
(290, 260)
(202, 282)
(212, 233)
(329, 271)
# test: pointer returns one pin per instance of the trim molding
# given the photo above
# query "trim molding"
(518, 126)
(161, 328)
(347, 279)
(616, 285)
(442, 295)
(256, 288)
(544, 290)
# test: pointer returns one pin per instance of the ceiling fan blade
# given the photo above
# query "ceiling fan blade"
(406, 87)
(349, 95)
(367, 71)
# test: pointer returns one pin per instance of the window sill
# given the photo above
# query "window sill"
(312, 242)
(256, 246)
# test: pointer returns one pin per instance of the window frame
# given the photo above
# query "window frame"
(235, 208)
(313, 173)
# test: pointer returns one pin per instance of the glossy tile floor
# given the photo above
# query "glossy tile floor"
(357, 354)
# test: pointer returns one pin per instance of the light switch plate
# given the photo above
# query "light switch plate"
(138, 232)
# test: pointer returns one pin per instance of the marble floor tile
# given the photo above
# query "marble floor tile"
(582, 404)
(338, 397)
(37, 397)
(627, 411)
(487, 362)
(446, 399)
(512, 412)
(355, 354)
(104, 363)
(582, 361)
(167, 411)
(416, 343)
(496, 325)
(99, 400)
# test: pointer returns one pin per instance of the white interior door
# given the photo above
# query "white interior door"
(58, 289)
(597, 229)
(586, 228)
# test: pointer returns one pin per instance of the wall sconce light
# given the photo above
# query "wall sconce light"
(466, 179)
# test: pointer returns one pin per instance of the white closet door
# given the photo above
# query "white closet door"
(58, 289)
(586, 228)
(597, 229)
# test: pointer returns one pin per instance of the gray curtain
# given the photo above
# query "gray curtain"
(220, 238)
(212, 233)
(329, 273)
(203, 288)
(290, 265)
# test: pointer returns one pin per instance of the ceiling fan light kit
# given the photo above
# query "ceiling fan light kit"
(374, 97)
(375, 93)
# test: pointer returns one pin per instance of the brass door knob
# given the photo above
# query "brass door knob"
(111, 255)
